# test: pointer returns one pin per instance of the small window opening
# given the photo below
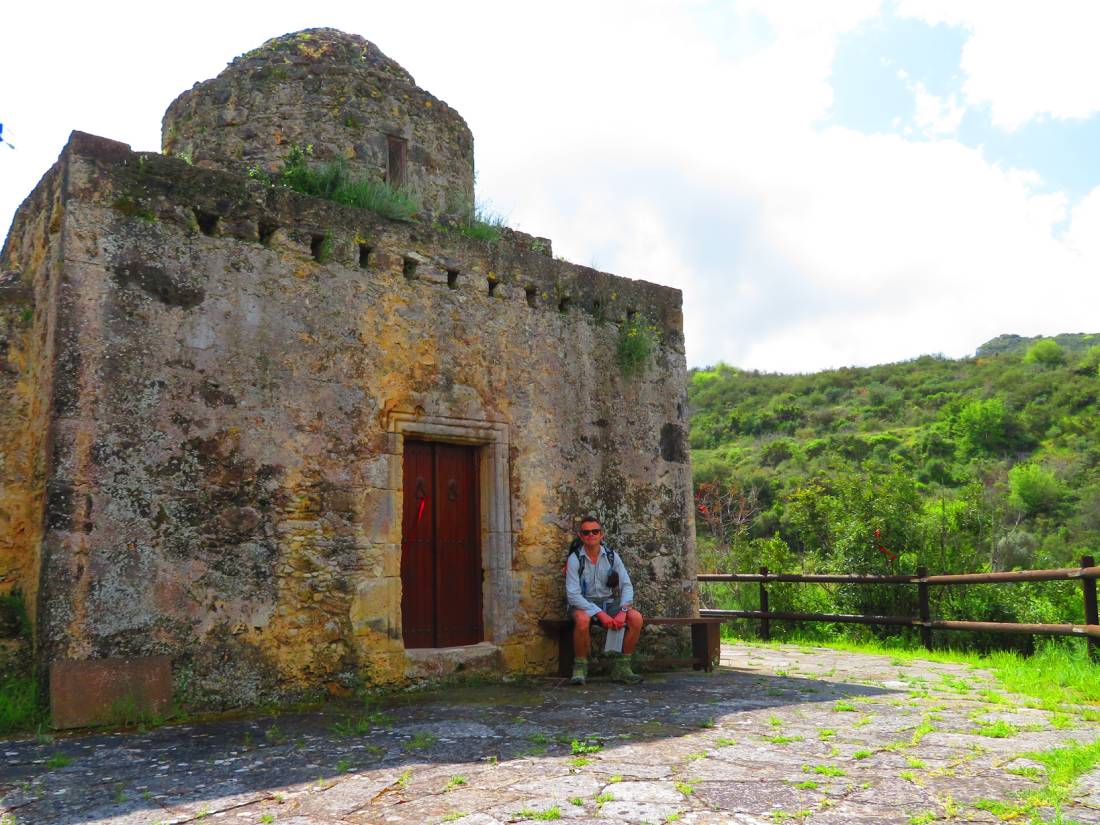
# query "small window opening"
(493, 286)
(364, 255)
(267, 232)
(408, 268)
(397, 157)
(596, 306)
(563, 304)
(317, 247)
(208, 222)
(532, 294)
(452, 278)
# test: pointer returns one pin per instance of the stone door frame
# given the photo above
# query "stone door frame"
(499, 594)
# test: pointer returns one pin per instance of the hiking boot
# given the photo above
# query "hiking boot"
(580, 671)
(621, 672)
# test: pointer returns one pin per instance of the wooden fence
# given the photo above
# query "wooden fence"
(1087, 573)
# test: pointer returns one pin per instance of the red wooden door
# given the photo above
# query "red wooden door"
(440, 556)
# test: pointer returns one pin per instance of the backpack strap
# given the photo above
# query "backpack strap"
(576, 547)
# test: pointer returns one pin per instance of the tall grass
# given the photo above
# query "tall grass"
(332, 181)
(482, 225)
(1060, 671)
(19, 709)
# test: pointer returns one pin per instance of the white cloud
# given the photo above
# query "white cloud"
(936, 116)
(1025, 60)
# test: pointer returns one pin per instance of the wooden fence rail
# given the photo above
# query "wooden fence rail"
(1087, 573)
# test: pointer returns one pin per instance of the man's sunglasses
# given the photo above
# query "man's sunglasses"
(595, 532)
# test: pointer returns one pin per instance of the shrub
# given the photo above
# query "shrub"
(1046, 353)
(1034, 489)
(637, 340)
(981, 426)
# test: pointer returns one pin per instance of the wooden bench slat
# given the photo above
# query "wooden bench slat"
(705, 640)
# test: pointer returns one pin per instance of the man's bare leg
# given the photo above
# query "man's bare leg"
(634, 623)
(582, 640)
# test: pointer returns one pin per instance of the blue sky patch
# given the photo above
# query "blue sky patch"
(877, 66)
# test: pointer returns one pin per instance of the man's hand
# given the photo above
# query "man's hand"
(620, 620)
(604, 619)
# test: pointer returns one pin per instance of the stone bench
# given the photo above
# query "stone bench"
(705, 641)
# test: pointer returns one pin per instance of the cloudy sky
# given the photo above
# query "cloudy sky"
(830, 183)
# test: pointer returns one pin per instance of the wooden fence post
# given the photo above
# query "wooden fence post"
(765, 623)
(1088, 587)
(925, 612)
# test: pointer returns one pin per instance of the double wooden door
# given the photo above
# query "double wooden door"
(440, 554)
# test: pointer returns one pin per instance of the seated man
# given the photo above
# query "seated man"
(597, 585)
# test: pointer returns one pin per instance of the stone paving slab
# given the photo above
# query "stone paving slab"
(777, 734)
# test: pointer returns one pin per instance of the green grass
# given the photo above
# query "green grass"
(997, 730)
(19, 704)
(844, 706)
(58, 760)
(359, 726)
(1058, 673)
(550, 813)
(1064, 766)
(420, 741)
(333, 182)
(824, 770)
(779, 739)
(863, 753)
(582, 746)
(456, 781)
(482, 225)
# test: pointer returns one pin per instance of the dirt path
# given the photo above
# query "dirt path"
(783, 734)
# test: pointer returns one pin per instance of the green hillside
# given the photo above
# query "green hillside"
(991, 462)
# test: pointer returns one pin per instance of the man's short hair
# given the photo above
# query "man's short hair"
(589, 518)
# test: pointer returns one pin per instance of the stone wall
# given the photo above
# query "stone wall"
(30, 268)
(238, 366)
(337, 93)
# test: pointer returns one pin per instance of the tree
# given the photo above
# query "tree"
(726, 509)
(1034, 489)
(1046, 353)
(981, 426)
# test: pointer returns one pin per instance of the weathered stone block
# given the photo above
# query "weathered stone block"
(109, 691)
(375, 606)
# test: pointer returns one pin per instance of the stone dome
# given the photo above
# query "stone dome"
(338, 93)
